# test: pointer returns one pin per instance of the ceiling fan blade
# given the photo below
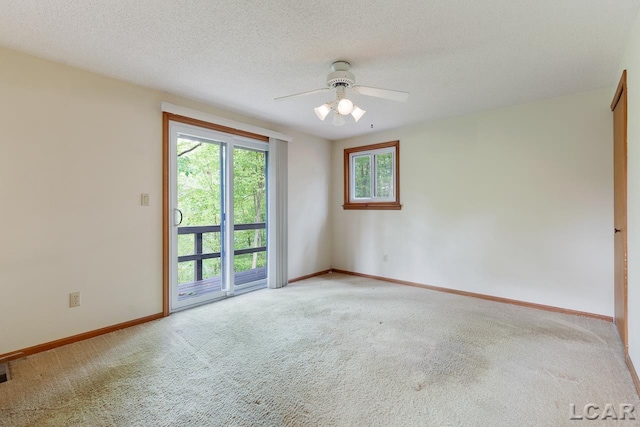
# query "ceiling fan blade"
(393, 95)
(311, 92)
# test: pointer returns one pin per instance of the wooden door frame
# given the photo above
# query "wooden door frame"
(165, 214)
(622, 89)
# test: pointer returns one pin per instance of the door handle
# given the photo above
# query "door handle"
(617, 230)
(174, 217)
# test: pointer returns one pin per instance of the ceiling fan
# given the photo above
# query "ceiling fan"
(340, 79)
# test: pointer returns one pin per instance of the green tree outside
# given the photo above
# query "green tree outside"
(200, 187)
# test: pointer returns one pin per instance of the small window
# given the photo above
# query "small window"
(372, 176)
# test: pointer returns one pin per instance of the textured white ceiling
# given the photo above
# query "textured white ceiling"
(453, 56)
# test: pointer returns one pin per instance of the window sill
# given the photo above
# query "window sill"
(386, 206)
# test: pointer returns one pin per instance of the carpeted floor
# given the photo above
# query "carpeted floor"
(334, 350)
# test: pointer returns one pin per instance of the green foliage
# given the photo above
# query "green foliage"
(249, 186)
(383, 179)
(200, 193)
(363, 176)
(384, 175)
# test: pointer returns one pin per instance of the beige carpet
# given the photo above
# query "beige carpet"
(334, 350)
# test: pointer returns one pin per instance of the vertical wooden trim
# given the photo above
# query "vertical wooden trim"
(347, 178)
(625, 235)
(622, 86)
(397, 165)
(165, 214)
(634, 373)
(620, 98)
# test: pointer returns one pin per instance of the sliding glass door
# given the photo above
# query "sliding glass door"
(218, 203)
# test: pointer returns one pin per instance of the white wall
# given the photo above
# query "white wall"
(309, 210)
(76, 151)
(515, 203)
(631, 63)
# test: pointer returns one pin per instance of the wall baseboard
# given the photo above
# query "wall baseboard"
(309, 276)
(481, 296)
(86, 335)
(75, 338)
(633, 372)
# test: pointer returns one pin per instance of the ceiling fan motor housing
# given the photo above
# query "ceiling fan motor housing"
(340, 75)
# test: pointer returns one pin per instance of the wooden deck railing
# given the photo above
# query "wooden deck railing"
(198, 256)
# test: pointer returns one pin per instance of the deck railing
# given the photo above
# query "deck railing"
(198, 256)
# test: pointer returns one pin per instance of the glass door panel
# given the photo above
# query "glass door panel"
(250, 217)
(198, 215)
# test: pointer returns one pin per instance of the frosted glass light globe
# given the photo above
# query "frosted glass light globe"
(322, 111)
(338, 120)
(357, 113)
(345, 106)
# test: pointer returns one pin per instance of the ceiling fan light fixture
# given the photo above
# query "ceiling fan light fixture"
(345, 106)
(340, 79)
(357, 113)
(322, 111)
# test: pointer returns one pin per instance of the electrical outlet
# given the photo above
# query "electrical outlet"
(385, 257)
(74, 299)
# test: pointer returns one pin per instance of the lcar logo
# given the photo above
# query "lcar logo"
(591, 411)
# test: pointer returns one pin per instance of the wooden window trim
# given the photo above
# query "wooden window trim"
(622, 87)
(212, 126)
(348, 204)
